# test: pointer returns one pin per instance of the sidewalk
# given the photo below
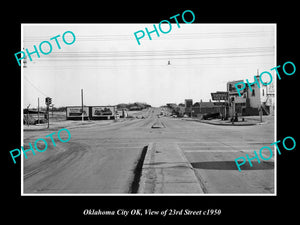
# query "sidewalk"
(166, 171)
(249, 121)
(66, 124)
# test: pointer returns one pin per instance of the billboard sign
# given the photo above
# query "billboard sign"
(219, 95)
(231, 89)
(103, 111)
(76, 111)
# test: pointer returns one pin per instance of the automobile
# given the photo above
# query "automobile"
(208, 116)
(174, 116)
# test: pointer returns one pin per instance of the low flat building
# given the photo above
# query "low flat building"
(201, 108)
(34, 116)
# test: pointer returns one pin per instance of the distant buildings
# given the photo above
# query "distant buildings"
(133, 106)
(202, 108)
(34, 116)
(188, 106)
(188, 103)
(252, 99)
(248, 104)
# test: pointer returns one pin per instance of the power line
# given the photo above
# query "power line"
(164, 52)
(125, 37)
(188, 65)
(151, 55)
(35, 87)
(162, 58)
(160, 55)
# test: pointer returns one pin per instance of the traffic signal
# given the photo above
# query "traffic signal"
(48, 100)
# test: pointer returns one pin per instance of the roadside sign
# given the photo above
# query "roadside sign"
(76, 111)
(98, 111)
(231, 87)
(219, 95)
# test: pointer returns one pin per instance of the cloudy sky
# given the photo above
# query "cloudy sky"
(108, 64)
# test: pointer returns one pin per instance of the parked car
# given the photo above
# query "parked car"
(208, 116)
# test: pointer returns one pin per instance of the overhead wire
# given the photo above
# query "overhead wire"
(35, 87)
(158, 55)
(163, 52)
(176, 36)
(151, 55)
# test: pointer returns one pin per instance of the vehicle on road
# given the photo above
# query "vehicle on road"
(209, 116)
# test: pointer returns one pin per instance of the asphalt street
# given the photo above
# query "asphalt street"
(103, 158)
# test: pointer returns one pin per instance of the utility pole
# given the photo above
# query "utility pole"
(28, 115)
(48, 115)
(38, 110)
(232, 102)
(52, 109)
(82, 105)
(25, 61)
(200, 109)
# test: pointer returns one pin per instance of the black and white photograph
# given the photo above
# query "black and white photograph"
(149, 112)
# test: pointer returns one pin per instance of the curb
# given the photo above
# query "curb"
(69, 126)
(145, 186)
(167, 171)
(229, 124)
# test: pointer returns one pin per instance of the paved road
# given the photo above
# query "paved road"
(102, 157)
(212, 150)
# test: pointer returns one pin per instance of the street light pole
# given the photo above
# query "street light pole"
(38, 110)
(28, 115)
(52, 109)
(48, 115)
(82, 105)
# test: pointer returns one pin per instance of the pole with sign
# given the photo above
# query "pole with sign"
(232, 102)
(218, 96)
(48, 102)
(38, 110)
(82, 105)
